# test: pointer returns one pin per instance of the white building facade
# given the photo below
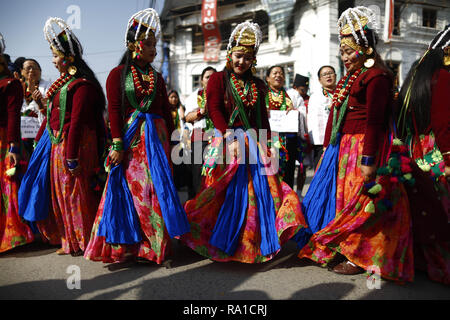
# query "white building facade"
(311, 40)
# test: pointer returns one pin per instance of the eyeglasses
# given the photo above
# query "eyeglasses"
(328, 74)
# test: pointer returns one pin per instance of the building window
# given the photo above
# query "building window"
(197, 39)
(397, 13)
(429, 18)
(196, 81)
(344, 5)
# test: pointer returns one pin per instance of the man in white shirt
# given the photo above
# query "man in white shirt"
(319, 110)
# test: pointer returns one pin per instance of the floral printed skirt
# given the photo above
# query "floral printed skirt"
(13, 232)
(204, 209)
(73, 200)
(155, 243)
(430, 209)
(374, 239)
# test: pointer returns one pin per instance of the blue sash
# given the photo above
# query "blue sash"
(175, 217)
(319, 204)
(120, 223)
(34, 191)
(225, 235)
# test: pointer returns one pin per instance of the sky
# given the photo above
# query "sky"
(102, 25)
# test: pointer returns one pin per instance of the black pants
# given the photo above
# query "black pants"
(317, 153)
(291, 146)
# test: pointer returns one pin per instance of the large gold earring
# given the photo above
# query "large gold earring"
(369, 63)
(72, 70)
(254, 66)
(447, 57)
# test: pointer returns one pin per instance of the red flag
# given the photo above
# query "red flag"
(211, 32)
(388, 20)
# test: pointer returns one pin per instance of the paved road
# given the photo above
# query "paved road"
(36, 272)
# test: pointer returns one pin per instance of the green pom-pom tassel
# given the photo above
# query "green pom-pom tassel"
(370, 207)
(11, 172)
(381, 207)
(408, 176)
(375, 189)
(397, 142)
(384, 171)
(394, 163)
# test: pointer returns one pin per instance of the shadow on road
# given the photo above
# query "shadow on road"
(324, 291)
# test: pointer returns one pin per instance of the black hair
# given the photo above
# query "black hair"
(7, 58)
(272, 67)
(178, 96)
(19, 63)
(207, 69)
(322, 67)
(35, 61)
(420, 78)
(6, 71)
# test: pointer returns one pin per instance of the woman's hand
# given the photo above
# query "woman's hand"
(289, 109)
(369, 172)
(14, 158)
(116, 157)
(37, 96)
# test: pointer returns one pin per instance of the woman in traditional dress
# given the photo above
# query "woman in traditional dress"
(56, 191)
(13, 232)
(424, 124)
(278, 99)
(140, 210)
(243, 212)
(358, 219)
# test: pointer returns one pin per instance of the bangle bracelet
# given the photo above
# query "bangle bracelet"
(14, 149)
(117, 145)
(367, 160)
(72, 164)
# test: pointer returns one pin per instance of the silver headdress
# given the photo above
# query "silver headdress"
(439, 42)
(246, 34)
(148, 18)
(65, 35)
(355, 20)
(2, 44)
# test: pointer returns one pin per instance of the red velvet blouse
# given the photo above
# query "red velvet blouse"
(368, 109)
(11, 99)
(83, 108)
(159, 106)
(440, 112)
(220, 107)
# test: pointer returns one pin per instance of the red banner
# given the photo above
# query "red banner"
(211, 32)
